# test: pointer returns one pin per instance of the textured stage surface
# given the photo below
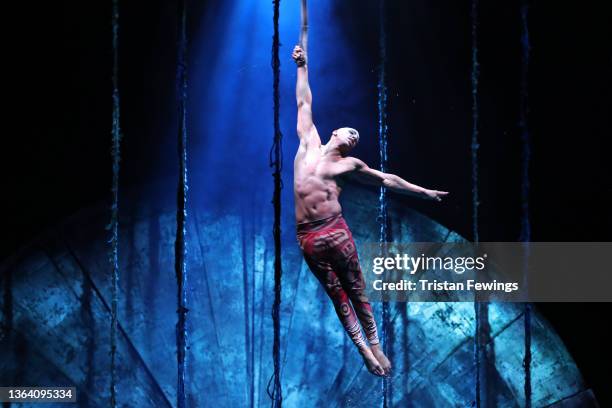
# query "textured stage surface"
(56, 300)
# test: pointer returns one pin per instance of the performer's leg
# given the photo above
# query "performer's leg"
(346, 263)
(330, 282)
(353, 282)
(318, 243)
(329, 279)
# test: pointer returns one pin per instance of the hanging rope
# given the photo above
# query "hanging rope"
(383, 216)
(180, 266)
(525, 221)
(114, 221)
(276, 162)
(475, 202)
(245, 294)
(475, 107)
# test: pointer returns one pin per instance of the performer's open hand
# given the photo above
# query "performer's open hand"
(435, 194)
(299, 56)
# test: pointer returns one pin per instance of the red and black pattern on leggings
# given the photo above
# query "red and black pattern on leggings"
(331, 254)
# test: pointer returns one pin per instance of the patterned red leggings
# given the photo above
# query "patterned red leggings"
(330, 252)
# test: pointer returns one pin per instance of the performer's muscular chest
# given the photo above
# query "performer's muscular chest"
(312, 164)
(313, 173)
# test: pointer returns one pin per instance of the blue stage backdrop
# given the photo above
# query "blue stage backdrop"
(57, 305)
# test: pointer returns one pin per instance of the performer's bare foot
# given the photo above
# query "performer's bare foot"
(382, 359)
(371, 362)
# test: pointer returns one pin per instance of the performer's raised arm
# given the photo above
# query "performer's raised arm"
(309, 137)
(305, 126)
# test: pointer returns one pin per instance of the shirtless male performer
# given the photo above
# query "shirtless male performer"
(323, 236)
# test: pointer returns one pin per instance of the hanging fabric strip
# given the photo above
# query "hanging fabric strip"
(475, 202)
(526, 156)
(383, 216)
(276, 163)
(181, 208)
(114, 221)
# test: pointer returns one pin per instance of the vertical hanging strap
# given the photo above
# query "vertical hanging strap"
(114, 221)
(181, 207)
(475, 202)
(304, 26)
(276, 162)
(383, 216)
(525, 220)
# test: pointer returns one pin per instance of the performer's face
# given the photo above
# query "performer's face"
(346, 137)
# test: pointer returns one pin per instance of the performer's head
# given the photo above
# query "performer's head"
(345, 139)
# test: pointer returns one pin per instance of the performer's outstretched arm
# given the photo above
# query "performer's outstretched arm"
(360, 171)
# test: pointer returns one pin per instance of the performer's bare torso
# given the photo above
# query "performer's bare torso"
(317, 184)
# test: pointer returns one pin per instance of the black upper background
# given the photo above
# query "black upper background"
(59, 160)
